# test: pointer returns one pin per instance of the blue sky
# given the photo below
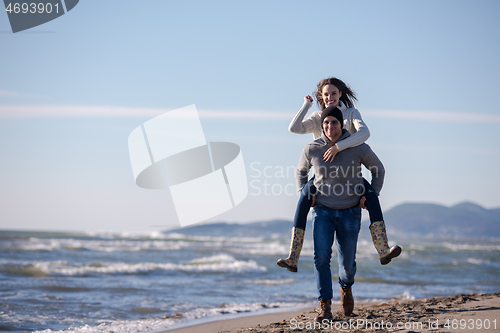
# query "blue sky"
(426, 74)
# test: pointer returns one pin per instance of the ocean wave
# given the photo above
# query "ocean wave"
(266, 248)
(178, 236)
(147, 310)
(40, 244)
(271, 282)
(219, 258)
(167, 242)
(120, 326)
(158, 235)
(166, 322)
(235, 308)
(483, 262)
(379, 280)
(215, 264)
(54, 288)
(404, 296)
(472, 247)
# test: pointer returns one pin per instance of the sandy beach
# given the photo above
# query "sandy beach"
(460, 313)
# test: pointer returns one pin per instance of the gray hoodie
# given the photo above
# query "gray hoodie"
(339, 183)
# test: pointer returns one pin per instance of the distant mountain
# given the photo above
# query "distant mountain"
(256, 229)
(464, 220)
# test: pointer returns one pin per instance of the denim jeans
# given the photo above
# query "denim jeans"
(344, 224)
(305, 200)
(372, 203)
(304, 205)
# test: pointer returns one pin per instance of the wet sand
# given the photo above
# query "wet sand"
(460, 313)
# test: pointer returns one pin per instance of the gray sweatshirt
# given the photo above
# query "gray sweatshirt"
(339, 183)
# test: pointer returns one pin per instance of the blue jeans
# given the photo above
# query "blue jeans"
(344, 224)
(372, 204)
(305, 200)
(304, 204)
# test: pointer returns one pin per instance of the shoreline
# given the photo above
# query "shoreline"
(459, 313)
(233, 321)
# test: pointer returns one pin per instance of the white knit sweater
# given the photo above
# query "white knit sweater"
(353, 123)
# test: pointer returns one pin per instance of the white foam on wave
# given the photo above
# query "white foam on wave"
(475, 261)
(120, 326)
(268, 248)
(222, 263)
(154, 242)
(160, 324)
(271, 282)
(219, 258)
(40, 244)
(212, 238)
(235, 308)
(405, 296)
(159, 235)
(472, 247)
(365, 249)
(483, 262)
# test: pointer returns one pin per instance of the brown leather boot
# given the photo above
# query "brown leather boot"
(326, 310)
(346, 301)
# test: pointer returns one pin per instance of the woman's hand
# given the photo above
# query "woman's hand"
(308, 98)
(362, 203)
(313, 201)
(329, 155)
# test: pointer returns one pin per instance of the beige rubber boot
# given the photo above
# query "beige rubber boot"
(379, 238)
(290, 263)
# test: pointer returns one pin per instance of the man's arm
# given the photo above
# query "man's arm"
(373, 163)
(303, 168)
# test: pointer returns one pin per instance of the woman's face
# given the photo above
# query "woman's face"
(331, 95)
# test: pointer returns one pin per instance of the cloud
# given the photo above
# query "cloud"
(7, 93)
(244, 114)
(441, 116)
(56, 111)
(50, 111)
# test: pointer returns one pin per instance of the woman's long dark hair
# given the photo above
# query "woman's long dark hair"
(348, 96)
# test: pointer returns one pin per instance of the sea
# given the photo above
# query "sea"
(159, 280)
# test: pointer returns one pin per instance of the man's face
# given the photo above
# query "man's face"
(332, 128)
